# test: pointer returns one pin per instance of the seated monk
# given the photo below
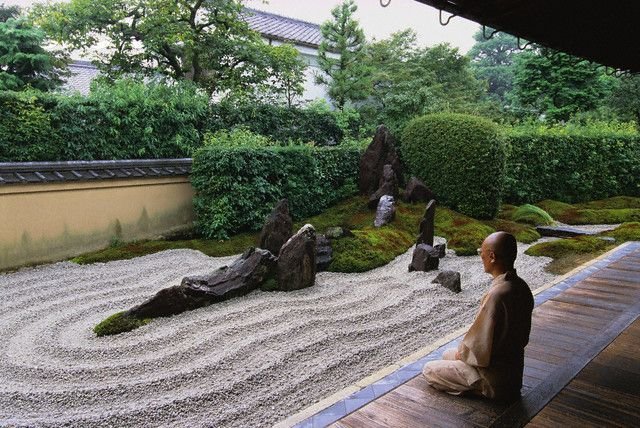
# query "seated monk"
(490, 359)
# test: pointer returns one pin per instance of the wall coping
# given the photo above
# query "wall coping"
(57, 172)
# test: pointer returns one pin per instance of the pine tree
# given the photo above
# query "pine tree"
(341, 57)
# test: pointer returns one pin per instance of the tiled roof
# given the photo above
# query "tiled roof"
(282, 28)
(82, 73)
(56, 172)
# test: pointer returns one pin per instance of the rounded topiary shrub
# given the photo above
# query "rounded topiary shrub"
(460, 157)
(533, 215)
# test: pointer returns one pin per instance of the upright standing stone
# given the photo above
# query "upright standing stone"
(386, 211)
(277, 229)
(381, 151)
(416, 191)
(297, 260)
(388, 186)
(427, 225)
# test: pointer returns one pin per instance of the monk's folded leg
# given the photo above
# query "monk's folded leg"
(449, 354)
(452, 376)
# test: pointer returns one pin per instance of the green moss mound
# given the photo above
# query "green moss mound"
(460, 157)
(530, 214)
(563, 247)
(464, 234)
(625, 232)
(606, 211)
(118, 323)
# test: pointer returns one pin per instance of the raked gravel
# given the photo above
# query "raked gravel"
(248, 362)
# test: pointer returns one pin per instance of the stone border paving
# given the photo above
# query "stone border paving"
(350, 399)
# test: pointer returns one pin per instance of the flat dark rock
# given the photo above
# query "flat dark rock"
(561, 231)
(243, 276)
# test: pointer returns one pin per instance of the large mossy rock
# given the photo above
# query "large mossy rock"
(296, 267)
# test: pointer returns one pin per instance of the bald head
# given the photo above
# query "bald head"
(501, 250)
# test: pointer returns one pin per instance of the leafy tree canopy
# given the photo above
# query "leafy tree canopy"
(625, 98)
(409, 81)
(23, 60)
(492, 61)
(200, 40)
(557, 85)
(341, 54)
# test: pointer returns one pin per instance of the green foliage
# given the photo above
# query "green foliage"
(625, 98)
(237, 137)
(409, 81)
(464, 234)
(203, 41)
(286, 82)
(625, 232)
(492, 61)
(346, 76)
(125, 120)
(557, 85)
(118, 323)
(237, 187)
(279, 123)
(23, 60)
(460, 157)
(571, 165)
(530, 214)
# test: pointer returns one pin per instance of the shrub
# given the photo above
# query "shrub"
(460, 157)
(237, 187)
(562, 247)
(278, 122)
(237, 137)
(530, 214)
(571, 165)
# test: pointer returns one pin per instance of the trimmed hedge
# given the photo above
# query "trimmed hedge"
(237, 187)
(460, 157)
(278, 122)
(571, 166)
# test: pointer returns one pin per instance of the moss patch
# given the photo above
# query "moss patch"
(464, 234)
(569, 253)
(215, 248)
(118, 323)
(625, 232)
(606, 211)
(523, 232)
(530, 214)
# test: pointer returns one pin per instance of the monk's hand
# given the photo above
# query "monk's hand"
(457, 355)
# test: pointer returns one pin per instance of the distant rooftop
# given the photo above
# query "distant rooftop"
(58, 172)
(282, 28)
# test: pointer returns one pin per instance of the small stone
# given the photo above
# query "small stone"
(449, 279)
(324, 253)
(425, 258)
(442, 250)
(386, 211)
(337, 232)
(417, 191)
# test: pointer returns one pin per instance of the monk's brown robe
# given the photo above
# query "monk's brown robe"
(490, 358)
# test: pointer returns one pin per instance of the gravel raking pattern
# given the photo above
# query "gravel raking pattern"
(250, 361)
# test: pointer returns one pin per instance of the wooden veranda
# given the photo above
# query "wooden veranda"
(581, 365)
